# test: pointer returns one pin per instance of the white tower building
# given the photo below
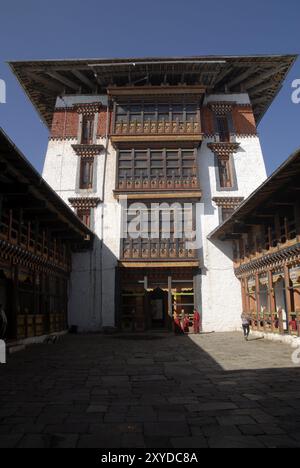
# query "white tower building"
(155, 131)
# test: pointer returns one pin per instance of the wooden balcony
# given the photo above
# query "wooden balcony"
(165, 187)
(156, 131)
(150, 250)
(24, 239)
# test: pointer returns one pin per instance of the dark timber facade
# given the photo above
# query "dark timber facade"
(38, 233)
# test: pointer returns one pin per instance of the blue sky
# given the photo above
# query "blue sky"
(35, 29)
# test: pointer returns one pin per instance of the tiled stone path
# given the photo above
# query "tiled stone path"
(98, 391)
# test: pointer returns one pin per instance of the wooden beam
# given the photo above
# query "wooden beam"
(54, 86)
(242, 77)
(66, 81)
(84, 79)
(264, 76)
(261, 88)
(259, 100)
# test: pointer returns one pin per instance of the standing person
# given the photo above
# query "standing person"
(186, 323)
(196, 322)
(246, 325)
(3, 322)
(177, 324)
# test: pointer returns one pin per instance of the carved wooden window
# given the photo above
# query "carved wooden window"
(167, 237)
(222, 127)
(225, 173)
(157, 112)
(87, 135)
(226, 213)
(157, 164)
(86, 173)
(85, 216)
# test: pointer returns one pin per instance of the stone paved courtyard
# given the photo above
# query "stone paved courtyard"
(169, 392)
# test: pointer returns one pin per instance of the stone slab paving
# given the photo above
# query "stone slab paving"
(97, 391)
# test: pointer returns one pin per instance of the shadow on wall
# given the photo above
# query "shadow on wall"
(92, 288)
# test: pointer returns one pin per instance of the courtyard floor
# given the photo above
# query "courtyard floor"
(163, 391)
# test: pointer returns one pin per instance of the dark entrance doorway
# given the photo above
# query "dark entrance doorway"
(158, 307)
(6, 303)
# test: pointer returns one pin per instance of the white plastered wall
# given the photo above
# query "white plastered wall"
(221, 290)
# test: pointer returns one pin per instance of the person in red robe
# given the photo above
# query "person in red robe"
(186, 323)
(196, 320)
(177, 324)
(293, 324)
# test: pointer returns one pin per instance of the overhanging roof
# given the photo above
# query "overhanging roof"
(16, 171)
(283, 180)
(260, 76)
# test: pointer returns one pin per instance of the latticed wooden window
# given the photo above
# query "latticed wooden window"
(223, 127)
(226, 213)
(87, 134)
(85, 216)
(225, 174)
(86, 173)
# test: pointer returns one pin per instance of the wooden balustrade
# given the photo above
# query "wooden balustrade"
(144, 249)
(157, 127)
(158, 183)
(27, 237)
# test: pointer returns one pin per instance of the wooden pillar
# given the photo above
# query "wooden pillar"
(271, 299)
(118, 293)
(257, 298)
(287, 295)
(170, 302)
(15, 300)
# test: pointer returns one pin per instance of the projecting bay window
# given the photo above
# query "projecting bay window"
(157, 169)
(167, 232)
(86, 173)
(87, 132)
(225, 173)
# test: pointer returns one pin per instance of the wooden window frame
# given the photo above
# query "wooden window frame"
(85, 215)
(83, 162)
(87, 130)
(225, 184)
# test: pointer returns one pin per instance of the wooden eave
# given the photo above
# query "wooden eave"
(260, 76)
(39, 200)
(281, 187)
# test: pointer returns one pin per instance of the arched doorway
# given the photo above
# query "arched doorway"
(158, 307)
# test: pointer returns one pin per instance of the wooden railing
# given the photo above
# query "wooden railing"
(158, 183)
(25, 236)
(274, 323)
(157, 127)
(144, 249)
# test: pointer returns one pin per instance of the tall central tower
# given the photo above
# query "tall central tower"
(156, 132)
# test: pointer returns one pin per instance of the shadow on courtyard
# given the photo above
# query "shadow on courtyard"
(160, 391)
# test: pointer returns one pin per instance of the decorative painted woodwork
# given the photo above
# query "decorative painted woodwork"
(223, 150)
(87, 151)
(228, 202)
